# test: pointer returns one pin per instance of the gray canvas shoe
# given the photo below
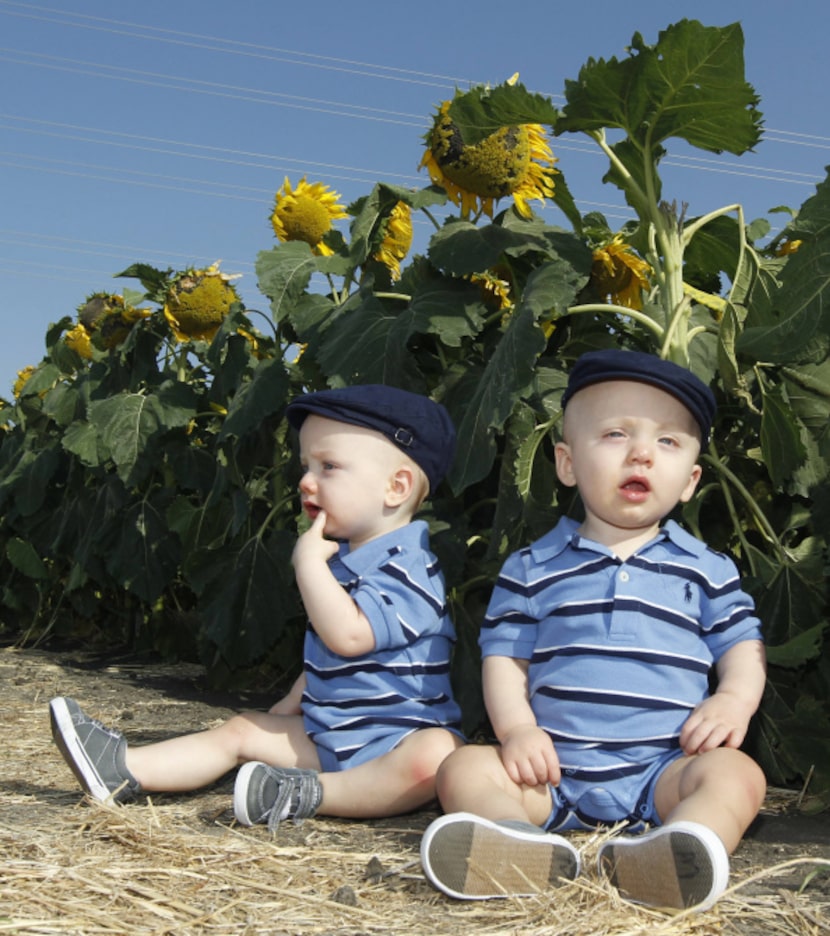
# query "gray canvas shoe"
(267, 795)
(95, 754)
(472, 858)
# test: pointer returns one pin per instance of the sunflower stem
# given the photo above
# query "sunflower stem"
(762, 524)
(635, 314)
(432, 218)
(631, 185)
(393, 295)
(692, 229)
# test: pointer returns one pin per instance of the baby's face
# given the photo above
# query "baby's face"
(347, 471)
(631, 449)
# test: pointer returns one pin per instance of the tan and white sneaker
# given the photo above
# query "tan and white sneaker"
(471, 858)
(676, 867)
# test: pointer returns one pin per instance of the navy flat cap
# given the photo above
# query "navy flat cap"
(417, 425)
(615, 364)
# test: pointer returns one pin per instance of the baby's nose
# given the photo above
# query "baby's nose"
(641, 452)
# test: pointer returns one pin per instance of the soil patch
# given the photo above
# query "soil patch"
(180, 864)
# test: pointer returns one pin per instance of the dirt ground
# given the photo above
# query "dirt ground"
(71, 866)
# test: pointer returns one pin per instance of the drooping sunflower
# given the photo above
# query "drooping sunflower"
(513, 161)
(306, 213)
(22, 378)
(788, 247)
(197, 301)
(77, 339)
(619, 275)
(106, 315)
(118, 324)
(495, 290)
(397, 240)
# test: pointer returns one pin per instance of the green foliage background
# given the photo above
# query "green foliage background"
(148, 497)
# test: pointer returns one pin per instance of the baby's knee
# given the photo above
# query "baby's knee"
(455, 771)
(239, 731)
(431, 747)
(754, 781)
(733, 773)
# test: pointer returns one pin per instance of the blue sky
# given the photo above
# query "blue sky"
(159, 131)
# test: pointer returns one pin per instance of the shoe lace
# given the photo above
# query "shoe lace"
(297, 798)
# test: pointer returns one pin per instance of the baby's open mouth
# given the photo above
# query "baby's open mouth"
(636, 484)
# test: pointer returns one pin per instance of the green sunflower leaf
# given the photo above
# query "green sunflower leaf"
(248, 595)
(24, 557)
(369, 344)
(508, 373)
(283, 274)
(780, 439)
(451, 310)
(146, 555)
(796, 323)
(463, 248)
(127, 423)
(481, 111)
(258, 398)
(372, 212)
(156, 282)
(689, 85)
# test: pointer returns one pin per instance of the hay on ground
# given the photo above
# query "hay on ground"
(181, 865)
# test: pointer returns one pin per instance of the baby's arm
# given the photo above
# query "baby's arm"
(335, 617)
(723, 718)
(289, 704)
(527, 751)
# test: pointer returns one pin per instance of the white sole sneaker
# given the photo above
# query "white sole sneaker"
(675, 867)
(471, 858)
(65, 735)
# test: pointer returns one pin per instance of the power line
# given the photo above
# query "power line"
(237, 47)
(251, 160)
(213, 88)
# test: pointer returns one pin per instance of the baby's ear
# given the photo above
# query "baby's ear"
(564, 464)
(400, 486)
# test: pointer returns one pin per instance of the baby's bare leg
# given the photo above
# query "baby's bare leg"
(195, 760)
(395, 783)
(722, 789)
(474, 780)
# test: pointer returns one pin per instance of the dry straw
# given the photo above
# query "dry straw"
(179, 865)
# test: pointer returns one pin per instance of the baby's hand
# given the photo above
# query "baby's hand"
(720, 720)
(313, 545)
(529, 756)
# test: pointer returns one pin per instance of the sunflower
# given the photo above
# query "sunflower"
(115, 328)
(77, 339)
(619, 274)
(197, 301)
(397, 240)
(306, 214)
(96, 306)
(22, 379)
(107, 315)
(788, 247)
(495, 291)
(513, 161)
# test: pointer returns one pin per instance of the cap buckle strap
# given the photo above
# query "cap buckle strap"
(404, 437)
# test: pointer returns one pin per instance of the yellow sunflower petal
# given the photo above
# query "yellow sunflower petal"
(513, 161)
(398, 239)
(620, 275)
